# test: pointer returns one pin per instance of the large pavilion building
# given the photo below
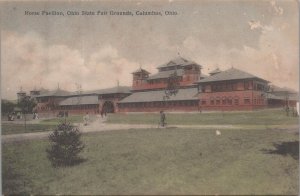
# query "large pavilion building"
(232, 89)
(148, 91)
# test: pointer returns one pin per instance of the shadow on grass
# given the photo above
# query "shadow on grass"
(285, 148)
(72, 163)
(14, 182)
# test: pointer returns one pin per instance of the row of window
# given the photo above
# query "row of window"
(42, 99)
(78, 107)
(231, 101)
(233, 86)
(159, 104)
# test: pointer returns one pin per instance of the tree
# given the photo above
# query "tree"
(27, 105)
(7, 106)
(173, 84)
(66, 146)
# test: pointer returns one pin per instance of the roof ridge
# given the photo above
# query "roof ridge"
(229, 74)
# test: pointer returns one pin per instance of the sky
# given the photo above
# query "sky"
(259, 37)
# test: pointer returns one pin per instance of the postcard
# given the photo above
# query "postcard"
(138, 97)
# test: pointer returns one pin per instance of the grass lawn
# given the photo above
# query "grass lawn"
(161, 161)
(259, 117)
(9, 128)
(250, 119)
(55, 121)
(43, 125)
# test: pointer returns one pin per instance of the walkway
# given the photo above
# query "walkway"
(99, 126)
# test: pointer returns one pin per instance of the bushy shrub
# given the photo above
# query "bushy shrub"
(65, 146)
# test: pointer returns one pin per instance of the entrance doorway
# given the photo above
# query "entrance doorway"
(108, 107)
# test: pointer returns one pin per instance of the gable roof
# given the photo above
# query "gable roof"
(81, 100)
(292, 97)
(277, 89)
(117, 89)
(62, 93)
(177, 61)
(215, 71)
(202, 76)
(141, 70)
(151, 96)
(165, 74)
(230, 74)
(54, 93)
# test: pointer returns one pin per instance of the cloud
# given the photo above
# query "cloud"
(275, 59)
(29, 62)
(278, 10)
(257, 25)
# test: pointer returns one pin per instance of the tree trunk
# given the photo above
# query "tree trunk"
(25, 120)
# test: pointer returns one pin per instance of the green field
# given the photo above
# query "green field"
(258, 156)
(161, 161)
(43, 125)
(258, 117)
(246, 119)
(55, 121)
(9, 128)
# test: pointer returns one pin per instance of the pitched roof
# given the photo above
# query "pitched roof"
(117, 89)
(177, 61)
(274, 88)
(230, 74)
(283, 97)
(80, 100)
(165, 74)
(62, 93)
(215, 71)
(140, 70)
(54, 93)
(203, 76)
(151, 96)
(21, 92)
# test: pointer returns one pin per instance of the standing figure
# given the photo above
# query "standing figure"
(86, 119)
(162, 119)
(18, 115)
(287, 109)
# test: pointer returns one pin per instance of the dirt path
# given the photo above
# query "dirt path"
(98, 126)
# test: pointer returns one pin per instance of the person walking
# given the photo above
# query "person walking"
(162, 119)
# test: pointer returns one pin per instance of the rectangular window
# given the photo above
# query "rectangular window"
(246, 85)
(203, 102)
(218, 102)
(236, 101)
(234, 86)
(246, 101)
(223, 101)
(212, 102)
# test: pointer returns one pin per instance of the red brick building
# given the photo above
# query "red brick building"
(148, 91)
(92, 102)
(232, 89)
